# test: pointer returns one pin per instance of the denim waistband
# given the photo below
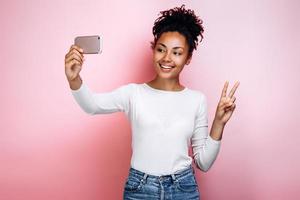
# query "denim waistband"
(174, 176)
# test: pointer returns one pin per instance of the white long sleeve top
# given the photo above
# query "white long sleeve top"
(164, 124)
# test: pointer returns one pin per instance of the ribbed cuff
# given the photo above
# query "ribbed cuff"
(213, 141)
(79, 89)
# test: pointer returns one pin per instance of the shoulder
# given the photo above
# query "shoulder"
(133, 86)
(197, 94)
(201, 101)
(127, 89)
(128, 86)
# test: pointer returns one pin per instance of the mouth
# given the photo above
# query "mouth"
(166, 68)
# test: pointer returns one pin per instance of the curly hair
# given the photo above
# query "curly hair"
(181, 20)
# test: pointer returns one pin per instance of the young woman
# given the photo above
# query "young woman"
(166, 117)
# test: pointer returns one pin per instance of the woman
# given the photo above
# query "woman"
(166, 117)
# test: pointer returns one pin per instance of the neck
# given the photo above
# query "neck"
(166, 84)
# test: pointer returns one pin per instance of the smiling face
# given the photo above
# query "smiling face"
(170, 54)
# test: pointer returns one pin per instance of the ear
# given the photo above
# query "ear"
(188, 60)
(152, 45)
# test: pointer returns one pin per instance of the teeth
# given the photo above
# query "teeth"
(166, 67)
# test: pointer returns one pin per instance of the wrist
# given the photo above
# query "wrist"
(216, 131)
(75, 83)
(218, 123)
(77, 79)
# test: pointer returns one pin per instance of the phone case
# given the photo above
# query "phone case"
(90, 44)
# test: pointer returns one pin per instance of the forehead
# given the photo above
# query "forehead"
(172, 39)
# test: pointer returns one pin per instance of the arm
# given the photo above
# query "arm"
(205, 148)
(93, 103)
(103, 103)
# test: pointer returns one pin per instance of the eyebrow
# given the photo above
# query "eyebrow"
(166, 46)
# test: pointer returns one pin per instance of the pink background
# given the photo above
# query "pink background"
(50, 149)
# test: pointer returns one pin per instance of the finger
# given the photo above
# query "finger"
(230, 108)
(79, 61)
(74, 56)
(74, 52)
(225, 105)
(224, 91)
(234, 89)
(77, 48)
(72, 63)
(233, 99)
(228, 104)
(227, 109)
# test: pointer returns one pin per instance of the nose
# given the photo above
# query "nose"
(166, 57)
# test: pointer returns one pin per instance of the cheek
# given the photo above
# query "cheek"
(156, 57)
(179, 61)
(155, 60)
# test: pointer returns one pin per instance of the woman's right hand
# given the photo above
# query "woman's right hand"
(73, 63)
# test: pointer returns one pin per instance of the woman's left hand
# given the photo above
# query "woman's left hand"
(226, 105)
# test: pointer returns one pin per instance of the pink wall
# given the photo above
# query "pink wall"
(50, 149)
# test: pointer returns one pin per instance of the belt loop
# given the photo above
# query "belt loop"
(144, 177)
(174, 178)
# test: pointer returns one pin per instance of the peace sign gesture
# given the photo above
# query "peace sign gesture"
(226, 105)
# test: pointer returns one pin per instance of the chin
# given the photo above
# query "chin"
(165, 76)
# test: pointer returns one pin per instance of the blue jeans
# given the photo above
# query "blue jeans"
(182, 185)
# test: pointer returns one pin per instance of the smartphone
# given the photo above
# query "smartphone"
(90, 44)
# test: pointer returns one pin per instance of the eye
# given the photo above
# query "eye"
(160, 50)
(177, 53)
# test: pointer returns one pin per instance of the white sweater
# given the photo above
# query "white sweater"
(163, 123)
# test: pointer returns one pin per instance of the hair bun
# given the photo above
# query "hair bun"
(181, 20)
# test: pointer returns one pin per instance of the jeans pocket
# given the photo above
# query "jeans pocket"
(133, 184)
(187, 184)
